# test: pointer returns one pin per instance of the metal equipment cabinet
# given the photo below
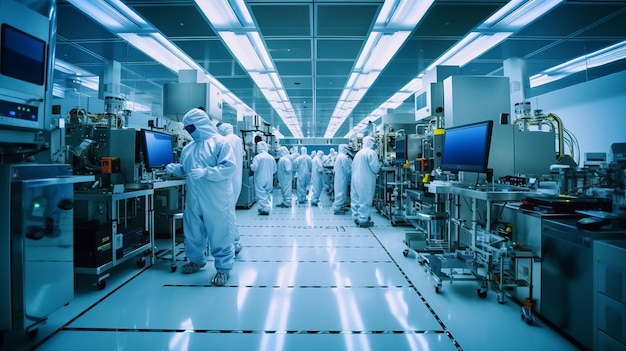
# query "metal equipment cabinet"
(36, 243)
(567, 275)
(609, 295)
(110, 229)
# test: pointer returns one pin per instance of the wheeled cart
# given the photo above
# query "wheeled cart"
(459, 266)
(112, 228)
(174, 250)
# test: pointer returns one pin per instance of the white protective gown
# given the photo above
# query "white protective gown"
(317, 172)
(236, 144)
(303, 164)
(264, 166)
(285, 175)
(208, 163)
(365, 166)
(343, 171)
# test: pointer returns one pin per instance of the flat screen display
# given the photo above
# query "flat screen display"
(158, 151)
(466, 147)
(22, 56)
(400, 150)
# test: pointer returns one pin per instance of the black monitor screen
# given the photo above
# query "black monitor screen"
(400, 150)
(22, 56)
(466, 147)
(158, 151)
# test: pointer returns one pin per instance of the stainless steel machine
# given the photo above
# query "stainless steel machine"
(36, 257)
(567, 274)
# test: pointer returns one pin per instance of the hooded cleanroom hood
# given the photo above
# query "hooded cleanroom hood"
(204, 127)
(283, 151)
(261, 146)
(303, 150)
(369, 142)
(343, 149)
(225, 129)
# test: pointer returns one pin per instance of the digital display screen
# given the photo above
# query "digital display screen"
(157, 150)
(466, 147)
(22, 56)
(400, 150)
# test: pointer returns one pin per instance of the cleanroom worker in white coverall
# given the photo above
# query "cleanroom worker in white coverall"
(303, 165)
(285, 176)
(236, 144)
(317, 171)
(343, 170)
(264, 166)
(365, 166)
(208, 163)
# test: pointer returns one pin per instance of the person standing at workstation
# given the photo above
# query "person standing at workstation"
(343, 171)
(285, 176)
(264, 166)
(207, 162)
(365, 167)
(303, 164)
(236, 144)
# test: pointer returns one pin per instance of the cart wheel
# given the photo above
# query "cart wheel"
(500, 298)
(437, 289)
(31, 334)
(101, 284)
(173, 267)
(394, 223)
(481, 293)
(527, 315)
(141, 262)
(405, 253)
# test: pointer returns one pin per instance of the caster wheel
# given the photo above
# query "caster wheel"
(437, 289)
(141, 262)
(173, 267)
(501, 298)
(101, 284)
(31, 334)
(405, 253)
(481, 293)
(394, 224)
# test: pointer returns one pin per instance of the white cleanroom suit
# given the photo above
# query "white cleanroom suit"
(303, 164)
(236, 144)
(365, 166)
(343, 170)
(317, 171)
(264, 166)
(208, 163)
(284, 174)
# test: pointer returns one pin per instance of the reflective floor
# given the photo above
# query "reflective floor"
(306, 280)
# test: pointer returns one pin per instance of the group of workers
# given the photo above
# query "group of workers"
(213, 164)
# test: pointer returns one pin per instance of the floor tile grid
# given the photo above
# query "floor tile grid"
(379, 245)
(421, 296)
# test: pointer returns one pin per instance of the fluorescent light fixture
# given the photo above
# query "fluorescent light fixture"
(597, 58)
(469, 48)
(517, 14)
(263, 81)
(57, 91)
(243, 51)
(234, 24)
(414, 85)
(402, 14)
(162, 50)
(394, 24)
(113, 14)
(386, 47)
(226, 14)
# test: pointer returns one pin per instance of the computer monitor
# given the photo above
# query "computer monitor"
(466, 147)
(158, 150)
